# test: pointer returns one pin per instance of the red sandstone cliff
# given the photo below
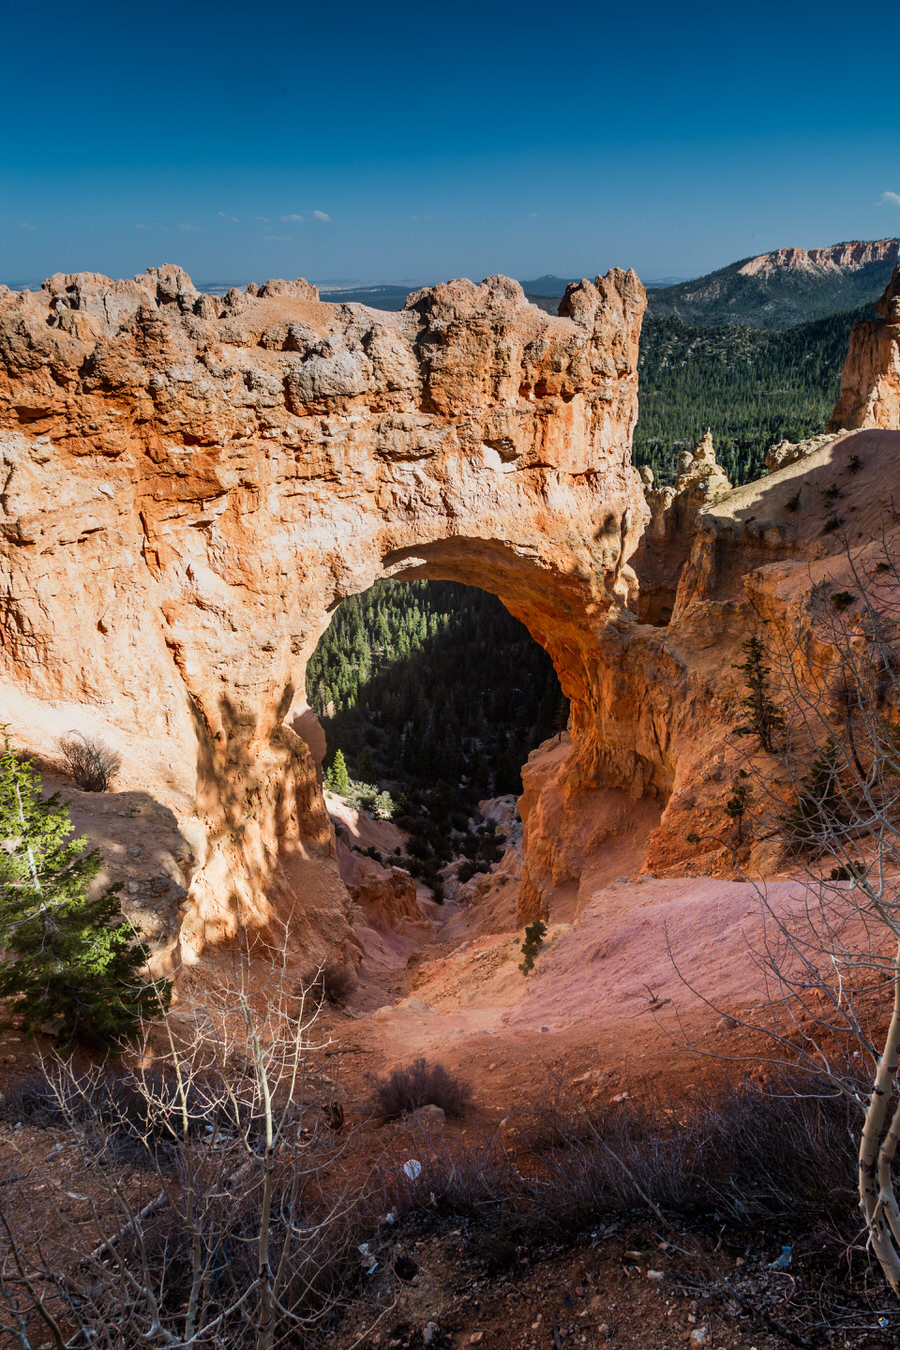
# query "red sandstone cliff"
(870, 382)
(190, 486)
(848, 257)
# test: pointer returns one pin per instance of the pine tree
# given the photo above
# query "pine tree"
(70, 960)
(533, 941)
(365, 766)
(819, 812)
(764, 717)
(340, 778)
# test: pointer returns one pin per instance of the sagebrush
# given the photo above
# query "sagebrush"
(419, 1084)
(92, 764)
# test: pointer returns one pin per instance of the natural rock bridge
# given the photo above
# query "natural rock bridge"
(191, 485)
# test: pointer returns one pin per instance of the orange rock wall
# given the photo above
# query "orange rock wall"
(190, 486)
(870, 381)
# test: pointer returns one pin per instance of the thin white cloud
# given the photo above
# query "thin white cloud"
(532, 215)
(191, 229)
(223, 216)
(263, 219)
(292, 220)
(322, 215)
(144, 227)
(890, 199)
(25, 225)
(278, 238)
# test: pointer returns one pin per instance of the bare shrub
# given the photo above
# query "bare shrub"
(220, 1213)
(131, 1118)
(753, 1155)
(92, 764)
(405, 1090)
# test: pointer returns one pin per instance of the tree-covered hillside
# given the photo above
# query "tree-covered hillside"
(779, 298)
(435, 692)
(752, 386)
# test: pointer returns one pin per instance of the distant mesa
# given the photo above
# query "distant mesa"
(774, 290)
(785, 287)
(388, 297)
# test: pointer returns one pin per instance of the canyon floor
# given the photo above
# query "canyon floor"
(604, 1020)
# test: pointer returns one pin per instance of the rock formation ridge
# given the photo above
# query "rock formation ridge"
(191, 485)
(847, 257)
(870, 381)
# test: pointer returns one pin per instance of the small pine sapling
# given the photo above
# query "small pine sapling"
(338, 778)
(819, 811)
(764, 718)
(534, 940)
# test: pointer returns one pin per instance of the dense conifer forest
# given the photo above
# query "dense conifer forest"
(752, 386)
(434, 692)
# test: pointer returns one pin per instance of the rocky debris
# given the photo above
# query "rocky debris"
(386, 895)
(870, 381)
(503, 812)
(781, 454)
(431, 1117)
(674, 514)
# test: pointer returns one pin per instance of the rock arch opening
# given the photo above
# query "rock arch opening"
(433, 696)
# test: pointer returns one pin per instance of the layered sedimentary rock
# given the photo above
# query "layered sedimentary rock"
(715, 566)
(848, 257)
(870, 381)
(674, 512)
(766, 559)
(191, 485)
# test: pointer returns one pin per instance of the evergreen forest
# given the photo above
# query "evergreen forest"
(435, 693)
(752, 386)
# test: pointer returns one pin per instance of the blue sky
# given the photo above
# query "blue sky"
(387, 141)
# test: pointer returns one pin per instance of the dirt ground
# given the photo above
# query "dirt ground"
(604, 1018)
